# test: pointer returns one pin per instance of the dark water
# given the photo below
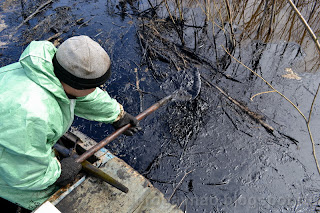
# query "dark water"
(223, 160)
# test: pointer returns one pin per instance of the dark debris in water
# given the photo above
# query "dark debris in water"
(237, 165)
(187, 119)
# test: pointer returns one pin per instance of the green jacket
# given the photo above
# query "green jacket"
(34, 113)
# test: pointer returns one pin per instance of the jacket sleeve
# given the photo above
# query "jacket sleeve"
(27, 161)
(29, 121)
(97, 106)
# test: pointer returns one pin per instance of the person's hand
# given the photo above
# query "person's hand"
(69, 169)
(127, 119)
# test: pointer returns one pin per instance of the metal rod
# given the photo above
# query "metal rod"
(92, 170)
(118, 132)
(62, 150)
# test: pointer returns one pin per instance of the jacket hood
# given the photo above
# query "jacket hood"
(36, 60)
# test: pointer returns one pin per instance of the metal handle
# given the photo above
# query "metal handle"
(118, 132)
(92, 170)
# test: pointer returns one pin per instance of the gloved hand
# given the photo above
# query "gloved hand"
(127, 119)
(69, 169)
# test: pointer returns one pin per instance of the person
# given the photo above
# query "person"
(38, 99)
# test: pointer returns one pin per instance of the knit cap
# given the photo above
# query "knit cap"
(82, 63)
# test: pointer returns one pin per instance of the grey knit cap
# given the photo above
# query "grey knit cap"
(81, 63)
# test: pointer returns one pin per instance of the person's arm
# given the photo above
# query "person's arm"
(97, 106)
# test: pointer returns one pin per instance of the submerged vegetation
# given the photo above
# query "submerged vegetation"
(244, 21)
(211, 36)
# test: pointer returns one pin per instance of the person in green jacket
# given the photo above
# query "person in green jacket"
(38, 99)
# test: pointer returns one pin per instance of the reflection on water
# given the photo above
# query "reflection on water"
(268, 21)
(265, 20)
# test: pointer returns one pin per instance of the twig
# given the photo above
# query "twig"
(256, 74)
(311, 108)
(168, 9)
(232, 39)
(175, 189)
(182, 203)
(304, 117)
(42, 22)
(143, 49)
(191, 55)
(54, 36)
(253, 115)
(151, 5)
(271, 18)
(153, 8)
(62, 31)
(289, 137)
(34, 13)
(85, 23)
(260, 93)
(262, 19)
(228, 116)
(309, 130)
(208, 16)
(98, 34)
(179, 5)
(304, 22)
(57, 42)
(143, 92)
(138, 89)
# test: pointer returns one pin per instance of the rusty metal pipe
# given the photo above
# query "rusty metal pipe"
(92, 170)
(118, 132)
